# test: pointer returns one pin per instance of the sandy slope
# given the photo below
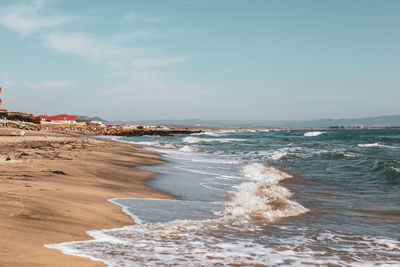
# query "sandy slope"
(53, 188)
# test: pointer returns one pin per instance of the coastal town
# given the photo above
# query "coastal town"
(72, 124)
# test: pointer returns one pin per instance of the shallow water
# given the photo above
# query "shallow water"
(263, 197)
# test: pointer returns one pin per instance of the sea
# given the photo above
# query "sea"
(262, 198)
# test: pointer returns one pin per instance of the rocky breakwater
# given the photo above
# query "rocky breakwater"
(22, 125)
(114, 130)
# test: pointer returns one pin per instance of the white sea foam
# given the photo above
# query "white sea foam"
(196, 171)
(277, 154)
(396, 170)
(212, 133)
(229, 177)
(377, 145)
(262, 198)
(207, 242)
(194, 140)
(227, 131)
(314, 133)
(216, 161)
(188, 149)
(369, 145)
(283, 152)
(153, 144)
(192, 242)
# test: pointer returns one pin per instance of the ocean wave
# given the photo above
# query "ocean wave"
(277, 154)
(314, 133)
(377, 145)
(153, 144)
(291, 153)
(194, 243)
(395, 170)
(194, 140)
(227, 131)
(387, 170)
(212, 133)
(216, 161)
(212, 241)
(262, 198)
(188, 242)
(285, 153)
(189, 149)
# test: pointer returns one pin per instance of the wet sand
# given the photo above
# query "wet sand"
(55, 187)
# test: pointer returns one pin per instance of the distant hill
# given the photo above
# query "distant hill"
(369, 121)
(390, 120)
(82, 117)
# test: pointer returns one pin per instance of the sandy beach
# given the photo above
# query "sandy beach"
(54, 188)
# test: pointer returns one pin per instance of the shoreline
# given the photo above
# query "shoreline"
(56, 187)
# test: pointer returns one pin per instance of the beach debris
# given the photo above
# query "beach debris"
(8, 158)
(58, 172)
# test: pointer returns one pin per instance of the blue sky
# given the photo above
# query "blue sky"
(183, 59)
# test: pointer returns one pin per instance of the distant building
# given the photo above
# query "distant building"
(336, 127)
(99, 123)
(131, 126)
(156, 127)
(61, 119)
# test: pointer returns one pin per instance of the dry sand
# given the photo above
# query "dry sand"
(55, 187)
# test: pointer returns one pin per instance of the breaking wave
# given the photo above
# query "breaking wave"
(154, 144)
(262, 198)
(193, 140)
(313, 133)
(212, 133)
(195, 242)
(188, 242)
(188, 149)
(377, 145)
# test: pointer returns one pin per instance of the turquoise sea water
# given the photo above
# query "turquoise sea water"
(268, 197)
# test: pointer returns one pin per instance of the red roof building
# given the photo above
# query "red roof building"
(62, 118)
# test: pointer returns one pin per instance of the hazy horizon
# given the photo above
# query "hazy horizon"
(212, 60)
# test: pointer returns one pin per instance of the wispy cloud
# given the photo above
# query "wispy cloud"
(37, 17)
(56, 85)
(108, 50)
(85, 45)
(31, 18)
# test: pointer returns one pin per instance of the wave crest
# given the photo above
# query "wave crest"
(261, 199)
(194, 140)
(377, 145)
(314, 133)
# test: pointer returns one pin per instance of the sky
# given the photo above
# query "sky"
(215, 59)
